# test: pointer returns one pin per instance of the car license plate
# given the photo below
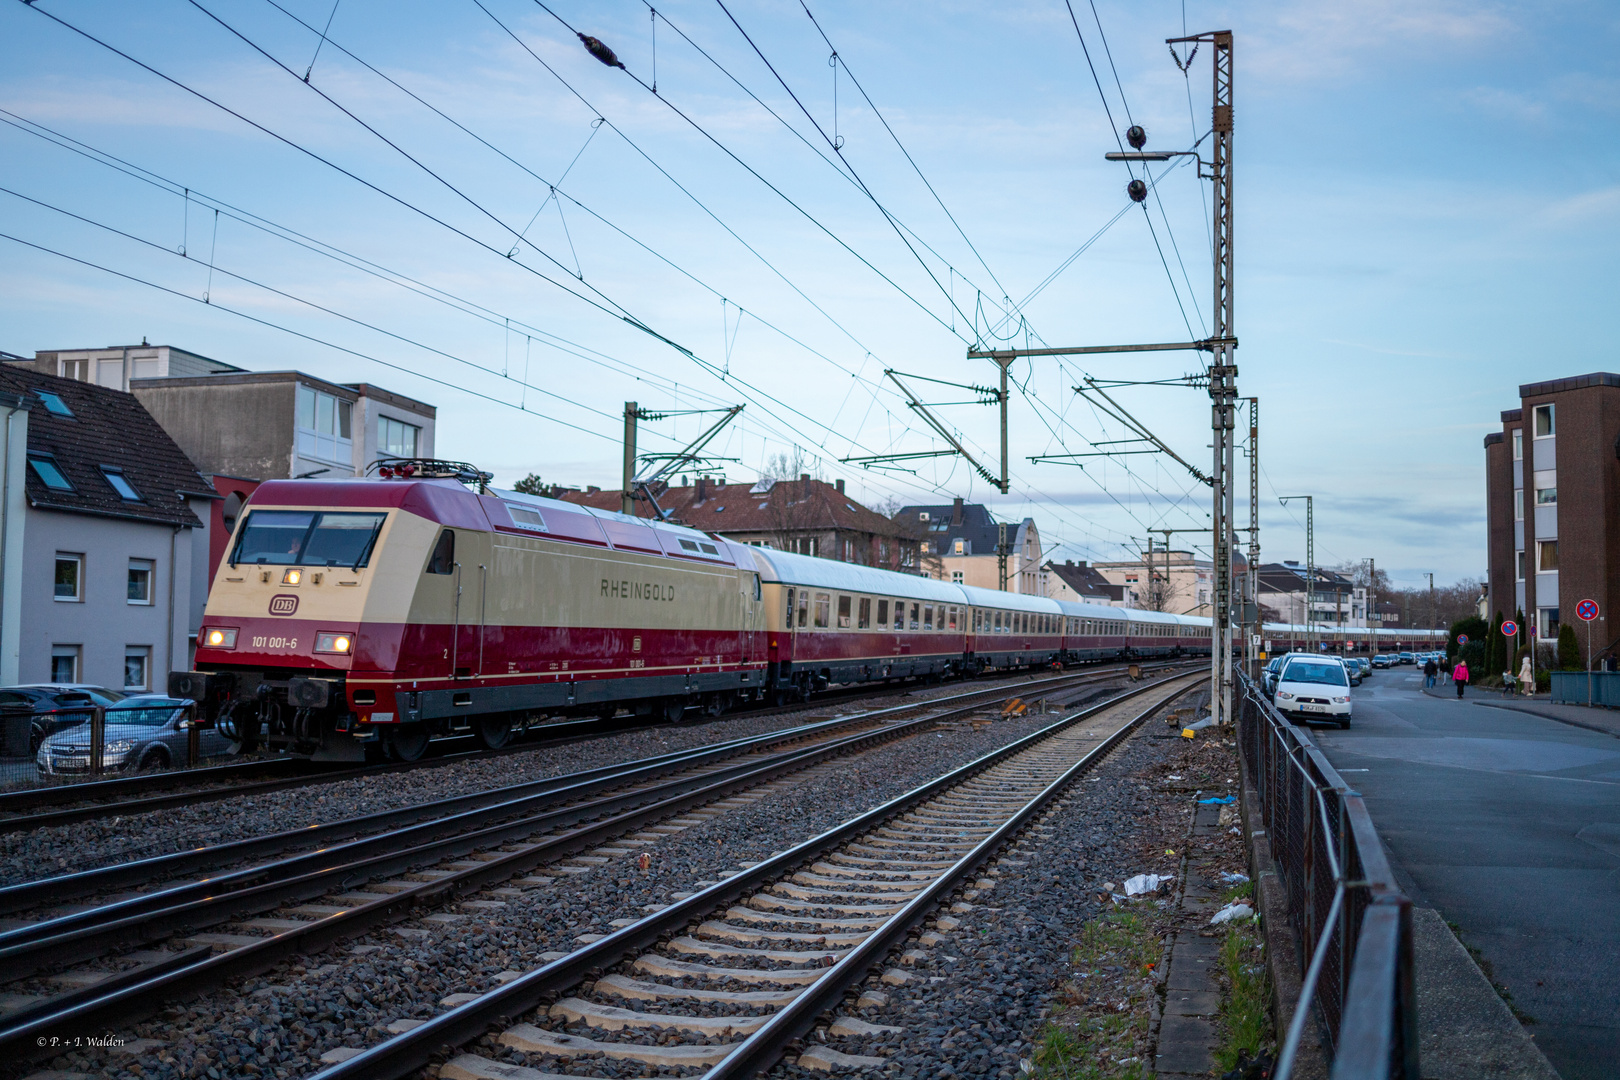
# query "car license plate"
(1314, 708)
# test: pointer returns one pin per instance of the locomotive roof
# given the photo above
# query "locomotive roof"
(792, 569)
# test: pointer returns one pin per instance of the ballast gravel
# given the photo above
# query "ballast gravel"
(280, 1024)
(66, 849)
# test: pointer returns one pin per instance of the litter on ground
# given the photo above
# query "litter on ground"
(1235, 910)
(1146, 883)
(1218, 802)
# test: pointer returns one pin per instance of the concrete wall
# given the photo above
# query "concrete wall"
(104, 622)
(241, 426)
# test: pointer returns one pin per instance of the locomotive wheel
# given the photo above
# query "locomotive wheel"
(408, 743)
(672, 709)
(493, 731)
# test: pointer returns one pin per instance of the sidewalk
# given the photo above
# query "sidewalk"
(1598, 719)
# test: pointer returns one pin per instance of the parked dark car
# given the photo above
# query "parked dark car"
(1380, 661)
(49, 707)
(143, 733)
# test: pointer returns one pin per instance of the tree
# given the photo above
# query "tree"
(1475, 627)
(1569, 653)
(531, 485)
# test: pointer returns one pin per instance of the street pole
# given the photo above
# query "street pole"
(1310, 565)
(1254, 536)
(1434, 617)
(627, 504)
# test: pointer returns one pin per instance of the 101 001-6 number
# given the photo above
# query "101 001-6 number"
(275, 643)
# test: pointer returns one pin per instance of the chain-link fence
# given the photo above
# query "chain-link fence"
(50, 742)
(1353, 922)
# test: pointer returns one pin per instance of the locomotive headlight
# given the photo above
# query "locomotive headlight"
(333, 643)
(220, 638)
(292, 576)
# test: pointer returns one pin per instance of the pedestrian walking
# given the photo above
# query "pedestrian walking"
(1431, 671)
(1445, 669)
(1527, 675)
(1459, 676)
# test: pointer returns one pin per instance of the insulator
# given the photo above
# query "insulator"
(1137, 190)
(1136, 135)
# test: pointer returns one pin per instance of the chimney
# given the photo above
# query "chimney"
(956, 513)
(700, 490)
(839, 484)
(592, 489)
(804, 485)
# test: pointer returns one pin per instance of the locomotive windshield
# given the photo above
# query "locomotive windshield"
(307, 538)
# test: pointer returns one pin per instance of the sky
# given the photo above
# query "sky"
(458, 202)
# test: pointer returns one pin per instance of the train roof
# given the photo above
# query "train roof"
(817, 573)
(993, 598)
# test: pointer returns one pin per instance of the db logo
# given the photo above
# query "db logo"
(284, 604)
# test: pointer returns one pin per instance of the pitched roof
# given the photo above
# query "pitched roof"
(1085, 581)
(781, 506)
(108, 428)
(978, 529)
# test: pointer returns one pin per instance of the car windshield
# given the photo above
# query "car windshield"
(141, 716)
(1306, 672)
(307, 538)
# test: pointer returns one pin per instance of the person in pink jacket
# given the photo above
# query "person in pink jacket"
(1459, 676)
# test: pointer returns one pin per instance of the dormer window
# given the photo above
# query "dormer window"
(53, 403)
(49, 472)
(115, 478)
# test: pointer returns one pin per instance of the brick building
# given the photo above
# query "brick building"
(1552, 492)
(958, 543)
(806, 516)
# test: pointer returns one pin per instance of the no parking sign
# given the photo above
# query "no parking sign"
(1462, 639)
(1587, 610)
(1509, 627)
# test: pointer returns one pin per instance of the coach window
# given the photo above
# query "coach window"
(916, 618)
(804, 608)
(444, 554)
(883, 614)
(899, 614)
(843, 613)
(823, 610)
(863, 616)
(789, 625)
(928, 616)
(953, 616)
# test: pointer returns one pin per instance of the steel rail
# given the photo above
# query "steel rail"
(71, 886)
(404, 1054)
(534, 739)
(120, 1004)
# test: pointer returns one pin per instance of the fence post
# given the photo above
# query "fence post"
(98, 737)
(193, 736)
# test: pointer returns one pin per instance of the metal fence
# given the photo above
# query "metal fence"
(1586, 688)
(71, 744)
(1353, 922)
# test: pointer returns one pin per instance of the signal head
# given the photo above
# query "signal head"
(1136, 136)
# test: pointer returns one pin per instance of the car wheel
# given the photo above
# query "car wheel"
(154, 761)
(1345, 724)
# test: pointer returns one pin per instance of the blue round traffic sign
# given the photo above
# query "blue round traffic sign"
(1587, 609)
(1509, 627)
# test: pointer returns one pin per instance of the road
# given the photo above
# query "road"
(1508, 824)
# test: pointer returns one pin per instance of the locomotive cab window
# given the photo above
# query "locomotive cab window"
(443, 560)
(307, 538)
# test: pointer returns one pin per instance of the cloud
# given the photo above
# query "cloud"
(1316, 42)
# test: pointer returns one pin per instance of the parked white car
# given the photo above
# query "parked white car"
(1314, 688)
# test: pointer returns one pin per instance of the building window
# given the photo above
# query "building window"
(65, 663)
(137, 660)
(959, 546)
(1518, 504)
(110, 372)
(956, 577)
(119, 483)
(1547, 496)
(863, 618)
(54, 403)
(140, 581)
(923, 547)
(324, 424)
(1548, 631)
(77, 370)
(1546, 556)
(1545, 425)
(69, 577)
(49, 473)
(849, 551)
(395, 438)
(1518, 444)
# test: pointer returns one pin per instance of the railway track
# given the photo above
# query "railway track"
(729, 978)
(406, 860)
(68, 804)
